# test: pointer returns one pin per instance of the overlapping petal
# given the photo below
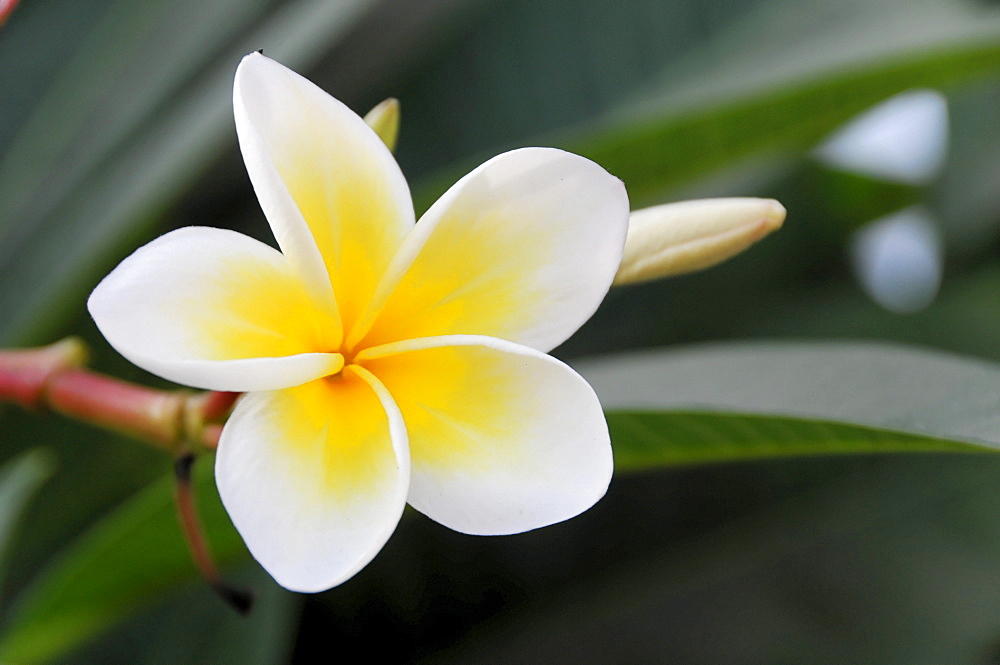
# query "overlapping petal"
(503, 438)
(215, 309)
(524, 248)
(332, 192)
(315, 477)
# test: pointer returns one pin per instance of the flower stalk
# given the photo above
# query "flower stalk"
(25, 373)
(54, 378)
(6, 7)
(240, 600)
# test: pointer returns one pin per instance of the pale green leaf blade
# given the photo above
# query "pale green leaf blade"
(875, 385)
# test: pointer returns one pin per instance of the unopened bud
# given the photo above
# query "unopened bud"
(384, 119)
(683, 237)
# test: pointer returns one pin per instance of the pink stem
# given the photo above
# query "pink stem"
(53, 377)
(6, 7)
(239, 599)
(148, 414)
(179, 421)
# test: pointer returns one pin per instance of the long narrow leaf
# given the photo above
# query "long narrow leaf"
(659, 439)
(875, 385)
(20, 479)
(773, 82)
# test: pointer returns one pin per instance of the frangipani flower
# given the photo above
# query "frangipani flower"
(384, 361)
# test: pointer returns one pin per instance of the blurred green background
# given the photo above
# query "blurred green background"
(786, 537)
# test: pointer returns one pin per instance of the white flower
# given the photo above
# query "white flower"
(385, 362)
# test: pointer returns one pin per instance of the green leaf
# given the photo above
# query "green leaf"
(192, 627)
(874, 385)
(711, 117)
(129, 64)
(657, 439)
(110, 195)
(133, 556)
(20, 479)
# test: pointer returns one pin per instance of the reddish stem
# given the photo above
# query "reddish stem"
(217, 405)
(238, 599)
(179, 421)
(188, 516)
(153, 415)
(6, 7)
(53, 377)
(210, 436)
(24, 374)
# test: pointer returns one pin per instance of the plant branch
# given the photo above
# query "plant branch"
(180, 422)
(54, 378)
(240, 600)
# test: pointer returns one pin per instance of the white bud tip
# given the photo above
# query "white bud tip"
(679, 238)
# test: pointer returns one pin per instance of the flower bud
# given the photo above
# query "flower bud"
(384, 119)
(678, 238)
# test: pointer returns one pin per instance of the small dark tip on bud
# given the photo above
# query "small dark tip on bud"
(240, 600)
(261, 51)
(182, 467)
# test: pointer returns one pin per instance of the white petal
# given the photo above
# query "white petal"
(315, 477)
(335, 198)
(214, 309)
(503, 438)
(523, 248)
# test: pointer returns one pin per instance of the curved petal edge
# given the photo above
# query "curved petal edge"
(503, 438)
